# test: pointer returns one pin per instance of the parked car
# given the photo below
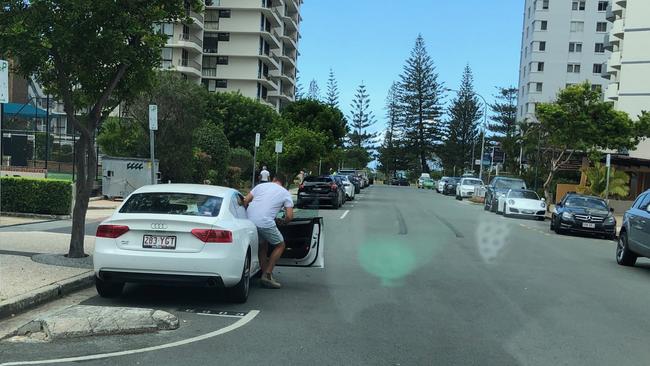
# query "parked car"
(357, 183)
(521, 202)
(499, 186)
(450, 186)
(191, 234)
(364, 176)
(428, 183)
(348, 187)
(420, 181)
(583, 214)
(400, 181)
(634, 239)
(441, 184)
(321, 190)
(466, 187)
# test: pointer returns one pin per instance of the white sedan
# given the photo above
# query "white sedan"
(191, 235)
(521, 202)
(348, 187)
(466, 187)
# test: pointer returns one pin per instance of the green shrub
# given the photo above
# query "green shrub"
(40, 196)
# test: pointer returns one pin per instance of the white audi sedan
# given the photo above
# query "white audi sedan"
(466, 187)
(348, 187)
(521, 202)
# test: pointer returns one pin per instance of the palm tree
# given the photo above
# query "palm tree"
(597, 181)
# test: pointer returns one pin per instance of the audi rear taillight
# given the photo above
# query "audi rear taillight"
(111, 231)
(301, 187)
(213, 236)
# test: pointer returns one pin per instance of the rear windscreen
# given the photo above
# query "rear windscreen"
(173, 204)
(318, 179)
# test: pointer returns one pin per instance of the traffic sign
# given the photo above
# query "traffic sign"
(153, 117)
(4, 81)
(257, 139)
(278, 147)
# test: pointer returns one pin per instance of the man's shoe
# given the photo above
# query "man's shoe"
(269, 282)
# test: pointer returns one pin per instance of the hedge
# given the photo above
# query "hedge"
(33, 195)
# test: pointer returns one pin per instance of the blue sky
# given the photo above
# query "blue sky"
(369, 41)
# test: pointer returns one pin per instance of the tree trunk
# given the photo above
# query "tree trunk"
(86, 166)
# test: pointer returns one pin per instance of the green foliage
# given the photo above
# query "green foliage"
(181, 108)
(360, 120)
(420, 100)
(201, 163)
(40, 196)
(123, 137)
(597, 181)
(579, 121)
(461, 130)
(63, 154)
(211, 140)
(504, 125)
(332, 96)
(356, 157)
(40, 145)
(318, 117)
(242, 159)
(301, 147)
(241, 117)
(233, 177)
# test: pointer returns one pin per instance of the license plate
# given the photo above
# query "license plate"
(589, 225)
(159, 242)
(528, 212)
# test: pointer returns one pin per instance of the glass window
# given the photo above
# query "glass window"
(577, 26)
(598, 68)
(575, 47)
(538, 87)
(166, 56)
(543, 25)
(545, 4)
(222, 83)
(542, 46)
(642, 202)
(601, 27)
(540, 66)
(523, 194)
(599, 48)
(173, 204)
(223, 37)
(578, 5)
(602, 5)
(222, 60)
(573, 68)
(587, 202)
(224, 13)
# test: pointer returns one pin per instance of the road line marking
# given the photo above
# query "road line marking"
(221, 315)
(344, 214)
(238, 324)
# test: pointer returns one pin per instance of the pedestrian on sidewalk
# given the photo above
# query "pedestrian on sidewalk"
(264, 175)
(264, 202)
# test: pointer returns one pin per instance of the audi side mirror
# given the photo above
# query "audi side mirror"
(543, 199)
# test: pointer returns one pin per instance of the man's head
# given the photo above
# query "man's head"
(278, 180)
(263, 167)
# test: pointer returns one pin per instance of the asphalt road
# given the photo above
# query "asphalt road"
(411, 278)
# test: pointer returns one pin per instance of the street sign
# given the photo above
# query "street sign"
(257, 140)
(278, 147)
(609, 160)
(4, 81)
(153, 117)
(477, 162)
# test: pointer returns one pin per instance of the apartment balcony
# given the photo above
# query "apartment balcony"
(210, 73)
(617, 9)
(290, 23)
(614, 61)
(286, 78)
(272, 61)
(211, 26)
(268, 82)
(272, 15)
(197, 18)
(612, 42)
(187, 66)
(618, 28)
(622, 3)
(283, 96)
(293, 6)
(288, 40)
(184, 40)
(272, 37)
(612, 92)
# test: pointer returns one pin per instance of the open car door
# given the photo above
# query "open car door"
(304, 242)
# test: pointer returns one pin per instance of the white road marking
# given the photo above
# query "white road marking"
(344, 214)
(238, 324)
(220, 315)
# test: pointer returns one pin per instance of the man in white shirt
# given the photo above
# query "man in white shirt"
(264, 175)
(264, 202)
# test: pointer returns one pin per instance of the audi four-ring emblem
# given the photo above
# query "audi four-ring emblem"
(158, 226)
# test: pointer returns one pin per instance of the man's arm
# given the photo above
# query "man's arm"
(288, 215)
(248, 199)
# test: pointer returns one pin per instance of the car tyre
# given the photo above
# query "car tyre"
(108, 289)
(336, 204)
(505, 211)
(624, 256)
(239, 293)
(552, 225)
(493, 206)
(459, 198)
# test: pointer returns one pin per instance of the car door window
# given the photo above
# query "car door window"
(240, 209)
(643, 202)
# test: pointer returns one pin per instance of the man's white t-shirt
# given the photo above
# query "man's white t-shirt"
(264, 175)
(268, 199)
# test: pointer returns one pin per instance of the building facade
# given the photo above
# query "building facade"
(251, 46)
(628, 68)
(563, 43)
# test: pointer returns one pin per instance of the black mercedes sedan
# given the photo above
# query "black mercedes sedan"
(583, 214)
(450, 187)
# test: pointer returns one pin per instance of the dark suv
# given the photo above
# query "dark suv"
(584, 214)
(321, 190)
(499, 186)
(634, 239)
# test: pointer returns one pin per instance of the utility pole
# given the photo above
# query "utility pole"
(278, 150)
(609, 165)
(257, 144)
(153, 126)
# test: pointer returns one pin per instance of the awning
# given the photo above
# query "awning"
(12, 110)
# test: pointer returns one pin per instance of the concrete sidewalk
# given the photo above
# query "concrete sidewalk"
(34, 270)
(97, 209)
